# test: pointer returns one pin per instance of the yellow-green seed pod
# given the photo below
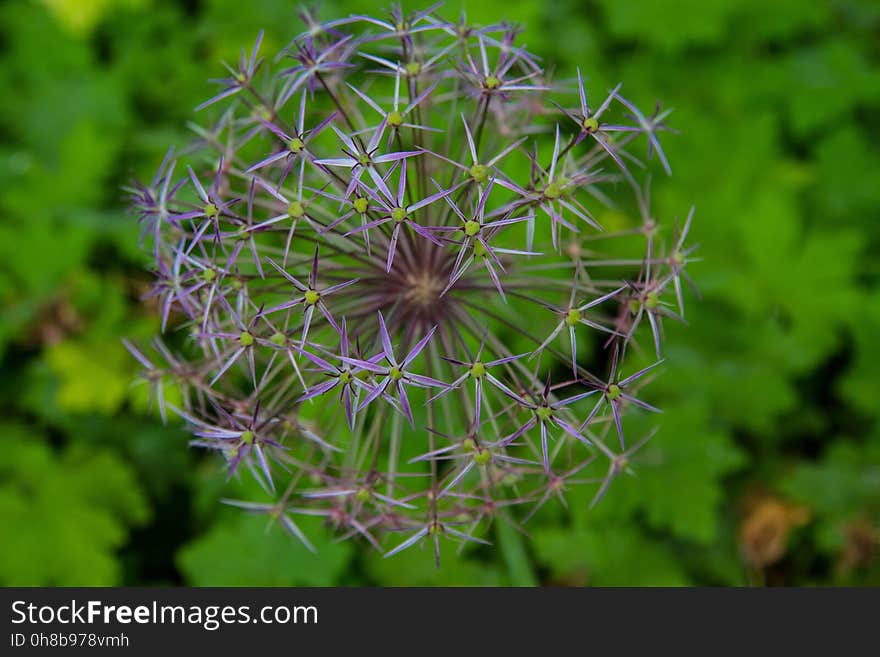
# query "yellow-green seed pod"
(479, 173)
(296, 210)
(394, 119)
(361, 205)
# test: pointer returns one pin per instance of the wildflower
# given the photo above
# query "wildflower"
(477, 371)
(546, 414)
(571, 316)
(397, 375)
(373, 283)
(552, 191)
(590, 125)
(360, 158)
(343, 376)
(479, 171)
(492, 81)
(241, 77)
(294, 146)
(278, 512)
(476, 233)
(214, 207)
(152, 203)
(614, 394)
(678, 259)
(312, 64)
(240, 440)
(395, 118)
(434, 530)
(395, 210)
(312, 297)
(650, 126)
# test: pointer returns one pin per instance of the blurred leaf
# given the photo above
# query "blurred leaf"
(92, 376)
(842, 490)
(668, 25)
(861, 386)
(81, 16)
(70, 512)
(607, 555)
(415, 567)
(678, 476)
(246, 550)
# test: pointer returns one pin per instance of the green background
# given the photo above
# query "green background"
(767, 466)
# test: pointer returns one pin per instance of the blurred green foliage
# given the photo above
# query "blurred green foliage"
(767, 465)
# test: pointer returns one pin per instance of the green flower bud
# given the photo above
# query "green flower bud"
(296, 210)
(361, 205)
(553, 191)
(394, 119)
(480, 173)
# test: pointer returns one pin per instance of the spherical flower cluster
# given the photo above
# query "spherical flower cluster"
(385, 254)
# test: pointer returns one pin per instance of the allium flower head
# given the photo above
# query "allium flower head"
(384, 257)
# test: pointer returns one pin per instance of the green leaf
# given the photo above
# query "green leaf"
(247, 550)
(677, 478)
(611, 554)
(842, 488)
(860, 386)
(415, 567)
(92, 377)
(66, 513)
(668, 26)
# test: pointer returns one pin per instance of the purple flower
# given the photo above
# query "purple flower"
(396, 375)
(373, 282)
(309, 296)
(241, 76)
(615, 393)
(394, 209)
